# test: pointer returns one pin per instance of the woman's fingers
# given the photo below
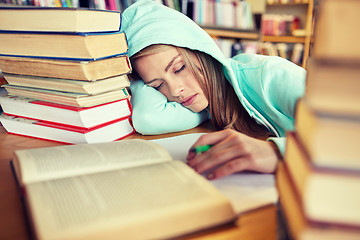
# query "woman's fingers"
(232, 152)
(208, 139)
(236, 165)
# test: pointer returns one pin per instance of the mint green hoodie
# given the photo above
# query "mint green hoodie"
(267, 87)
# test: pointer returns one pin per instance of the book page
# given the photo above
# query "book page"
(246, 191)
(156, 201)
(53, 162)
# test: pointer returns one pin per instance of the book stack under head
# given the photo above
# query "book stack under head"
(319, 179)
(67, 73)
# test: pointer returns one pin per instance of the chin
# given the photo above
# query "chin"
(197, 109)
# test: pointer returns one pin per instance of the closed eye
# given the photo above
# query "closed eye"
(158, 86)
(180, 69)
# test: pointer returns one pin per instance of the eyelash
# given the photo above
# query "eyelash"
(157, 87)
(177, 71)
(180, 69)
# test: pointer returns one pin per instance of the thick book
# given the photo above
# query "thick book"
(67, 98)
(298, 225)
(107, 132)
(52, 19)
(129, 189)
(330, 139)
(86, 117)
(327, 195)
(77, 70)
(76, 46)
(69, 85)
(333, 87)
(335, 37)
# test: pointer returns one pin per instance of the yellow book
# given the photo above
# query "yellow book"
(71, 46)
(57, 19)
(56, 68)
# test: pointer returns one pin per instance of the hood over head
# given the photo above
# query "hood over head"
(146, 23)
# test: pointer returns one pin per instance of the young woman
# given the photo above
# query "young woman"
(185, 79)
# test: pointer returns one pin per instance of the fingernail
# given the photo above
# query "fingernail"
(210, 176)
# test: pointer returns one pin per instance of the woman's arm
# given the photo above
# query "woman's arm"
(153, 114)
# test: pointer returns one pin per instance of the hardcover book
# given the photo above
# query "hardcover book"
(67, 98)
(329, 138)
(129, 189)
(335, 37)
(297, 223)
(69, 85)
(51, 19)
(77, 70)
(333, 87)
(86, 117)
(328, 195)
(77, 46)
(107, 132)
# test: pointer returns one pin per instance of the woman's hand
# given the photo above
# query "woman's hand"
(233, 152)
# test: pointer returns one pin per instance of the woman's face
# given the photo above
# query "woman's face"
(166, 72)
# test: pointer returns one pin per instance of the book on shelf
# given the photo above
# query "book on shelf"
(67, 98)
(336, 37)
(333, 87)
(327, 194)
(129, 189)
(53, 19)
(329, 138)
(77, 70)
(72, 46)
(69, 85)
(296, 222)
(86, 117)
(109, 131)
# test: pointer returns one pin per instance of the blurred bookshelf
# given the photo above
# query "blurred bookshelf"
(233, 24)
(217, 31)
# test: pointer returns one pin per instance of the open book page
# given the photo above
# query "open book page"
(156, 201)
(246, 191)
(48, 163)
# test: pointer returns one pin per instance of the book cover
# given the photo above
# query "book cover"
(335, 37)
(67, 98)
(58, 19)
(296, 222)
(77, 70)
(86, 117)
(69, 85)
(129, 184)
(110, 131)
(333, 87)
(328, 195)
(330, 139)
(69, 46)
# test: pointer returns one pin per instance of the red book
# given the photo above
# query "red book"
(86, 117)
(107, 132)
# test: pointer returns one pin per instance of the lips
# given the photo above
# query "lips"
(189, 100)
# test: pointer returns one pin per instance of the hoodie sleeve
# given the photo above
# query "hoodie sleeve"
(153, 114)
(280, 142)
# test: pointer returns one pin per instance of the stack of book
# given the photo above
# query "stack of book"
(319, 179)
(66, 71)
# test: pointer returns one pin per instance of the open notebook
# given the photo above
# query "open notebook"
(246, 191)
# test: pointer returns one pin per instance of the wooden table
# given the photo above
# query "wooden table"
(258, 224)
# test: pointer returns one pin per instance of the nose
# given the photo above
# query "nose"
(175, 87)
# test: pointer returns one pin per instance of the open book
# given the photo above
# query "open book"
(130, 189)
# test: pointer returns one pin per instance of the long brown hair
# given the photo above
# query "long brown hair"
(224, 106)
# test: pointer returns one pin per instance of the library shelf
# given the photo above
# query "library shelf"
(285, 39)
(216, 31)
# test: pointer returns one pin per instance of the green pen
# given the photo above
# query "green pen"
(201, 148)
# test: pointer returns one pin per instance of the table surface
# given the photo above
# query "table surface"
(256, 224)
